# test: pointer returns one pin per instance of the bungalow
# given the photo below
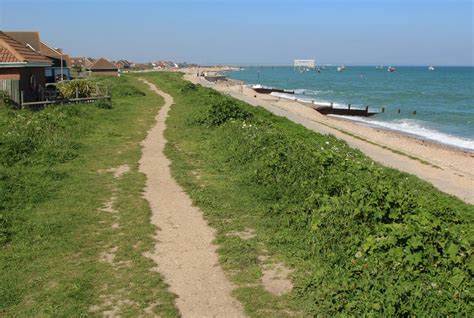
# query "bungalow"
(103, 67)
(164, 65)
(22, 70)
(143, 66)
(81, 63)
(60, 60)
(123, 64)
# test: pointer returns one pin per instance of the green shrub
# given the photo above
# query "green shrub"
(83, 87)
(188, 87)
(123, 90)
(223, 111)
(103, 104)
(5, 100)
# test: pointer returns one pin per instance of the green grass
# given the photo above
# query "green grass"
(362, 239)
(53, 181)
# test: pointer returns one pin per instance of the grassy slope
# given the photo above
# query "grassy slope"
(361, 239)
(55, 234)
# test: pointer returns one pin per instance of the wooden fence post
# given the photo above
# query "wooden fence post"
(21, 99)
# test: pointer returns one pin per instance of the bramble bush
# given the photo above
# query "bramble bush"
(382, 242)
(224, 110)
(188, 88)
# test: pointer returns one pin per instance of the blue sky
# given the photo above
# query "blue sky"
(353, 32)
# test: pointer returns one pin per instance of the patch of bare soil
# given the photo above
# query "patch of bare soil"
(119, 171)
(246, 234)
(108, 256)
(275, 276)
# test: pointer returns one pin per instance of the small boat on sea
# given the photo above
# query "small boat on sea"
(268, 90)
(431, 68)
(391, 69)
(341, 68)
(379, 67)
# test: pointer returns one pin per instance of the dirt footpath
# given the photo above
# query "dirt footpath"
(184, 252)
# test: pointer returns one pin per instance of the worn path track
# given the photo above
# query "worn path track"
(184, 252)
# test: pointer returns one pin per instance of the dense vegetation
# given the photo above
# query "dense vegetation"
(363, 239)
(81, 87)
(116, 87)
(54, 179)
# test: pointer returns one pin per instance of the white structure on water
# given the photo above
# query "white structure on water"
(301, 65)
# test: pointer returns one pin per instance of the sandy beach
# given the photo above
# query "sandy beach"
(448, 168)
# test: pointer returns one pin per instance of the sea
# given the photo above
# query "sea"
(435, 105)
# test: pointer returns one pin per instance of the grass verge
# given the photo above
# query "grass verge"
(361, 239)
(72, 235)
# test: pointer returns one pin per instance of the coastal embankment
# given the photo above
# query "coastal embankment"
(306, 225)
(449, 169)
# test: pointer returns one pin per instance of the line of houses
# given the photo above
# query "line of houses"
(28, 66)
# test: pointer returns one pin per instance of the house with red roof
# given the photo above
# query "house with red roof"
(22, 70)
(81, 63)
(123, 64)
(60, 67)
(103, 67)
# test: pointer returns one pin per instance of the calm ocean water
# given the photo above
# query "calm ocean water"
(443, 99)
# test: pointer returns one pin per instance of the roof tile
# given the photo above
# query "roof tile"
(15, 51)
